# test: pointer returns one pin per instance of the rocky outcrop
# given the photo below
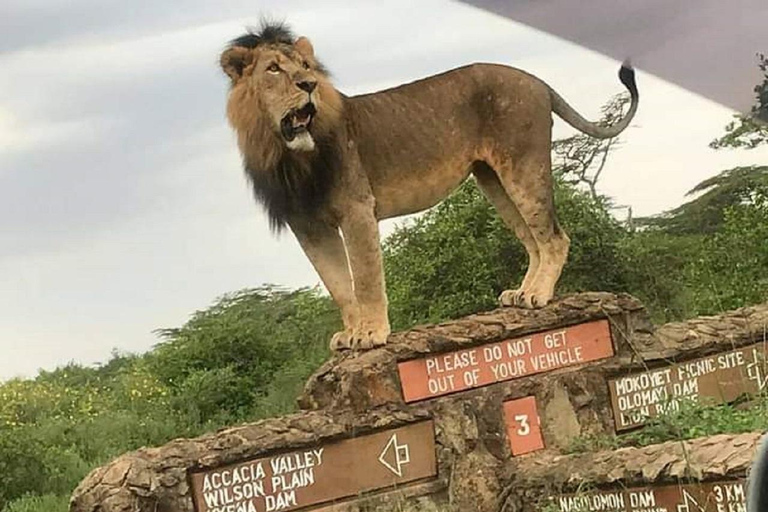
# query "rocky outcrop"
(465, 458)
(158, 479)
(572, 401)
(370, 379)
(723, 458)
(706, 335)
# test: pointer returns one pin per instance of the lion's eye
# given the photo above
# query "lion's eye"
(273, 68)
(305, 64)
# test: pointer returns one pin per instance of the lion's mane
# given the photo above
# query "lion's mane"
(286, 183)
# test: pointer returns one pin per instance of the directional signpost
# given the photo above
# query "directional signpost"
(719, 378)
(710, 497)
(319, 474)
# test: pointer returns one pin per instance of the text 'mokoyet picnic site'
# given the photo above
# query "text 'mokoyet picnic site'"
(719, 378)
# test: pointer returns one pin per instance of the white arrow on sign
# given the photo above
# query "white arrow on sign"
(688, 503)
(399, 457)
(755, 370)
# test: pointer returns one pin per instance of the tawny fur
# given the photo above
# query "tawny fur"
(396, 152)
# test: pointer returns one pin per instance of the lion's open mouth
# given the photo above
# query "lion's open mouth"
(297, 121)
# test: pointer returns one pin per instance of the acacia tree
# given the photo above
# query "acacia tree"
(740, 186)
(706, 213)
(580, 159)
(751, 130)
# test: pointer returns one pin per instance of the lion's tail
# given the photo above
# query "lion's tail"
(573, 118)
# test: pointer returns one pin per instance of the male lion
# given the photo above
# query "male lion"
(322, 162)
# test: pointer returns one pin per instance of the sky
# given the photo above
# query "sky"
(123, 205)
(706, 46)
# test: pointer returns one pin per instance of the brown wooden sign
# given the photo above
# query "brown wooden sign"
(719, 378)
(711, 497)
(523, 426)
(511, 359)
(319, 474)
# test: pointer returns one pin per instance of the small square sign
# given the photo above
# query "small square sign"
(523, 426)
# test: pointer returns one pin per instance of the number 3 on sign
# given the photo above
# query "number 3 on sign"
(523, 428)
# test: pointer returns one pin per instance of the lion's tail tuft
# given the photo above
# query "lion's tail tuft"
(627, 77)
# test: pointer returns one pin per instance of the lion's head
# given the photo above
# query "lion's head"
(286, 113)
(281, 97)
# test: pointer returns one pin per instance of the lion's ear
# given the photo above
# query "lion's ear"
(304, 47)
(234, 61)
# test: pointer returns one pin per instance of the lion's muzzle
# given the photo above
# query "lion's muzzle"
(297, 121)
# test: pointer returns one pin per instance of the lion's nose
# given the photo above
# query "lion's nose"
(307, 85)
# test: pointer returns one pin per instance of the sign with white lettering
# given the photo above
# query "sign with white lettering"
(523, 426)
(451, 372)
(711, 497)
(720, 378)
(320, 474)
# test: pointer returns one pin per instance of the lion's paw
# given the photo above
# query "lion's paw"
(367, 337)
(524, 299)
(362, 338)
(511, 298)
(341, 341)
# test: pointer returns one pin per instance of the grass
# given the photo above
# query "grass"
(36, 503)
(691, 421)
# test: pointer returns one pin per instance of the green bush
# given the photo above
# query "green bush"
(731, 269)
(222, 364)
(245, 358)
(22, 465)
(457, 258)
(655, 266)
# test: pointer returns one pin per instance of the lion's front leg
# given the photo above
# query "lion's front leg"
(361, 235)
(324, 247)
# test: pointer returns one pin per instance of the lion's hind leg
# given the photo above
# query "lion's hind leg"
(489, 183)
(527, 180)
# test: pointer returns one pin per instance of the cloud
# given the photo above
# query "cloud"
(39, 23)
